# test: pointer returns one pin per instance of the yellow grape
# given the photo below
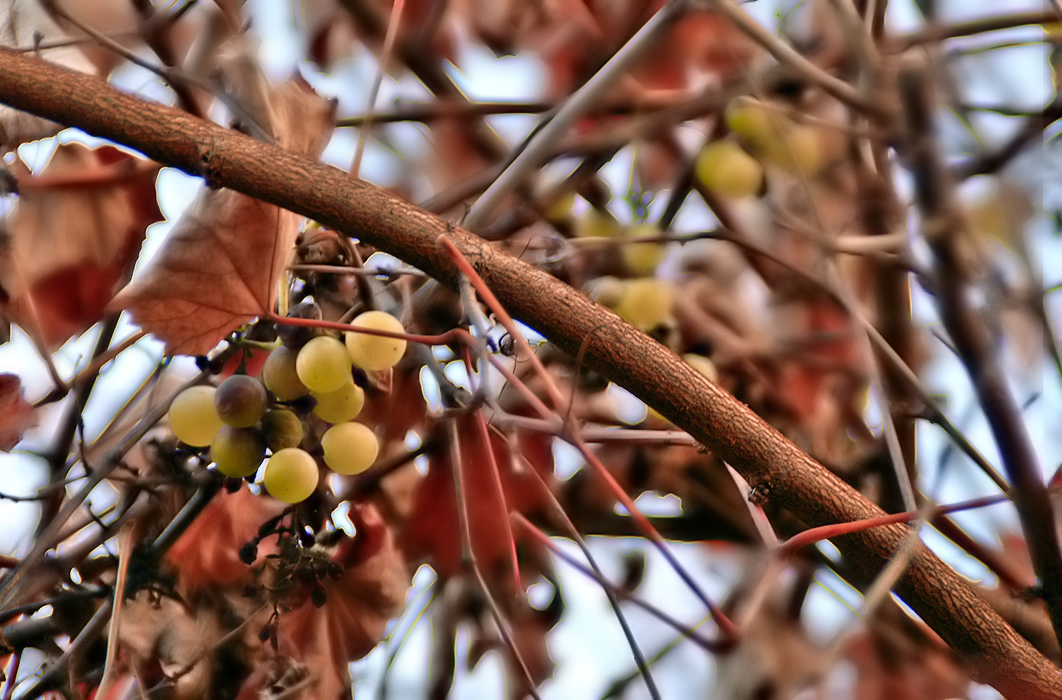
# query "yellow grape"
(340, 405)
(643, 258)
(798, 150)
(726, 169)
(753, 121)
(349, 448)
(646, 303)
(597, 224)
(291, 475)
(193, 418)
(323, 364)
(375, 352)
(561, 209)
(280, 377)
(238, 451)
(241, 400)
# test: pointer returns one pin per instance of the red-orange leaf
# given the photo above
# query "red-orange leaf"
(76, 231)
(357, 607)
(433, 526)
(220, 265)
(15, 413)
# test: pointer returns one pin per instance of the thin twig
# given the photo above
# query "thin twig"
(506, 631)
(577, 105)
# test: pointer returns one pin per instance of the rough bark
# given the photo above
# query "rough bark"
(997, 655)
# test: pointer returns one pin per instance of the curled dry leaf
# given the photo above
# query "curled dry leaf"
(357, 607)
(433, 529)
(208, 552)
(16, 414)
(220, 265)
(160, 637)
(74, 235)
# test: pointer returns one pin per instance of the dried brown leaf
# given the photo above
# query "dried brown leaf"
(16, 414)
(74, 235)
(208, 553)
(220, 266)
(357, 607)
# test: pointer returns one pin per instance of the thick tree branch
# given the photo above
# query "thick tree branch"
(945, 600)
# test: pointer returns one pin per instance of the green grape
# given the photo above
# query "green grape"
(597, 223)
(375, 352)
(646, 303)
(238, 451)
(725, 168)
(341, 405)
(241, 400)
(290, 475)
(349, 448)
(753, 121)
(323, 364)
(193, 418)
(280, 376)
(282, 428)
(643, 258)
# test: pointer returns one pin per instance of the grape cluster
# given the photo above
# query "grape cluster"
(246, 418)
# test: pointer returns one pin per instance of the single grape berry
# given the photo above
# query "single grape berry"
(349, 448)
(281, 428)
(374, 352)
(238, 452)
(341, 405)
(597, 223)
(753, 121)
(290, 475)
(241, 401)
(280, 376)
(642, 258)
(297, 336)
(646, 303)
(726, 169)
(323, 364)
(798, 151)
(193, 418)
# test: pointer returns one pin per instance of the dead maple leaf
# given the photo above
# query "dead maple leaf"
(220, 265)
(16, 414)
(208, 553)
(73, 238)
(358, 605)
(433, 528)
